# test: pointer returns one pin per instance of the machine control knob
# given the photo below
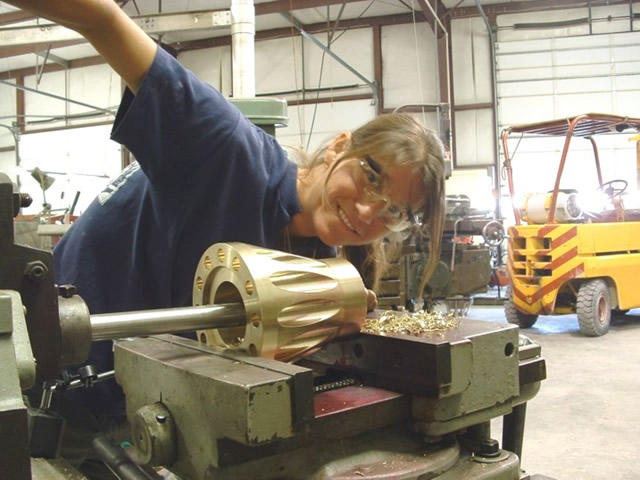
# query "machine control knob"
(21, 200)
(88, 375)
(493, 233)
(154, 435)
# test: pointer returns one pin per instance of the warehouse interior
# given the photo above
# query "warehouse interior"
(525, 367)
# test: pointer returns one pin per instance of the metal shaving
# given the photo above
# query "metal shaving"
(325, 387)
(411, 323)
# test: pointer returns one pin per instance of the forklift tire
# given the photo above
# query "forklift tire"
(514, 315)
(594, 308)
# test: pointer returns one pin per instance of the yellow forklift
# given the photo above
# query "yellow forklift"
(562, 257)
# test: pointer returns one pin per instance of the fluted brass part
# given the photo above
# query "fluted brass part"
(293, 304)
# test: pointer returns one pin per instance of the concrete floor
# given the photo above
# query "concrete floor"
(584, 424)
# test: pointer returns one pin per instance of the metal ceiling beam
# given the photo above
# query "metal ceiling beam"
(328, 51)
(151, 24)
(331, 99)
(8, 51)
(279, 6)
(47, 33)
(285, 32)
(57, 97)
(438, 7)
(275, 7)
(52, 67)
(529, 6)
(54, 58)
(261, 9)
(282, 6)
(377, 67)
(16, 16)
(275, 33)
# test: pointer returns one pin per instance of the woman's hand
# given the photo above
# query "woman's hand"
(119, 40)
(372, 300)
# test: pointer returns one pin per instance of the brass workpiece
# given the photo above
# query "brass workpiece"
(293, 304)
(410, 323)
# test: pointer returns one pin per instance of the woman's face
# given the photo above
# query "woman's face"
(360, 197)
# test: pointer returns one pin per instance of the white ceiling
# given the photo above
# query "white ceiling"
(352, 9)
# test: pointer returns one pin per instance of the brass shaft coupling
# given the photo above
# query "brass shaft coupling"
(293, 304)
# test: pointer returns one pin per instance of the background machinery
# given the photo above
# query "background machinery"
(470, 251)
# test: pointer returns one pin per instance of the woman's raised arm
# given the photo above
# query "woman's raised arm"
(113, 34)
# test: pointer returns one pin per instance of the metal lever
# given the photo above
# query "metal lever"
(87, 377)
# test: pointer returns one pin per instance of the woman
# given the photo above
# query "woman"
(205, 174)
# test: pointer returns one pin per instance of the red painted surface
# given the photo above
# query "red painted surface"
(350, 398)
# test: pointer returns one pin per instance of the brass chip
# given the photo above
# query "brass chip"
(411, 323)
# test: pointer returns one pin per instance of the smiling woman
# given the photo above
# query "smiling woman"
(372, 183)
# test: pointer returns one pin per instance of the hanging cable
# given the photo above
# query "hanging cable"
(332, 30)
(329, 42)
(315, 107)
(333, 38)
(295, 75)
(357, 18)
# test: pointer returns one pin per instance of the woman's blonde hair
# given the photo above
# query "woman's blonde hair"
(400, 138)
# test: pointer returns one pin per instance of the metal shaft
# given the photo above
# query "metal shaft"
(110, 326)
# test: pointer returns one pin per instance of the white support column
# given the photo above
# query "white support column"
(243, 30)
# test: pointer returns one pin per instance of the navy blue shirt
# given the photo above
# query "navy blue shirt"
(204, 174)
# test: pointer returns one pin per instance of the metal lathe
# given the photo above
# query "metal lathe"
(281, 383)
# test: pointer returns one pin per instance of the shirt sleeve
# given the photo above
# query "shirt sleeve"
(176, 122)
